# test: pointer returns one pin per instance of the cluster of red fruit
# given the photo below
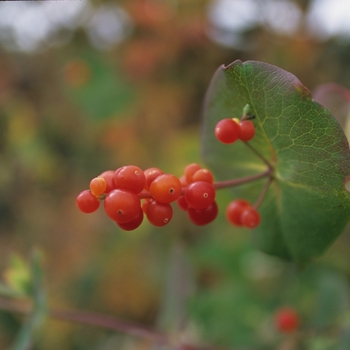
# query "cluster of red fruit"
(130, 193)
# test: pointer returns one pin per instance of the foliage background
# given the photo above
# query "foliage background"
(83, 97)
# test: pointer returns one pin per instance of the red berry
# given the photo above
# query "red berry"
(108, 175)
(227, 131)
(151, 174)
(130, 178)
(250, 217)
(183, 181)
(166, 188)
(133, 224)
(159, 214)
(190, 169)
(98, 185)
(286, 320)
(247, 130)
(181, 202)
(203, 175)
(234, 211)
(145, 203)
(200, 195)
(203, 216)
(122, 206)
(87, 202)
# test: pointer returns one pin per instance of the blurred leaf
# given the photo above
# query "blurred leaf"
(18, 276)
(35, 319)
(306, 207)
(98, 89)
(332, 299)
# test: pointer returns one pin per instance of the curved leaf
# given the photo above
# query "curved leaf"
(306, 207)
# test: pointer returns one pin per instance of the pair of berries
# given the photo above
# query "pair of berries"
(241, 213)
(123, 190)
(230, 130)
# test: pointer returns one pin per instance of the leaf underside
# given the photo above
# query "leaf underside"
(306, 207)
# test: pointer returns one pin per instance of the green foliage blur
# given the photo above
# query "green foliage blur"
(85, 99)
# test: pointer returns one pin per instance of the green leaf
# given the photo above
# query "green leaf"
(306, 207)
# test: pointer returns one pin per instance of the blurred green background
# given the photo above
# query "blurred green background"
(88, 86)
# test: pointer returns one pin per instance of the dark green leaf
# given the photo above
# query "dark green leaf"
(306, 207)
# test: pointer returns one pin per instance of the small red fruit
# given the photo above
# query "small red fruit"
(122, 206)
(133, 224)
(204, 216)
(190, 170)
(130, 178)
(286, 320)
(250, 218)
(234, 211)
(166, 188)
(159, 214)
(98, 185)
(227, 131)
(108, 175)
(87, 202)
(200, 195)
(247, 130)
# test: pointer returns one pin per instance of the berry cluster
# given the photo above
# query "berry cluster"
(130, 193)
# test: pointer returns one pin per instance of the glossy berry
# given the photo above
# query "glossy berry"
(227, 131)
(98, 186)
(189, 171)
(203, 175)
(87, 202)
(250, 217)
(133, 224)
(200, 195)
(122, 206)
(286, 320)
(181, 202)
(130, 178)
(183, 181)
(166, 188)
(108, 175)
(159, 214)
(247, 130)
(234, 211)
(203, 216)
(151, 174)
(145, 204)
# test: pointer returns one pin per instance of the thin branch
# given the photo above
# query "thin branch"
(104, 321)
(241, 181)
(258, 154)
(89, 318)
(109, 322)
(263, 193)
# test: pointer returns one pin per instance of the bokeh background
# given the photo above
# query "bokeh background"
(88, 86)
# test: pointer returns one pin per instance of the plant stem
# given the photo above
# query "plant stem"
(103, 321)
(225, 184)
(241, 181)
(263, 193)
(259, 155)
